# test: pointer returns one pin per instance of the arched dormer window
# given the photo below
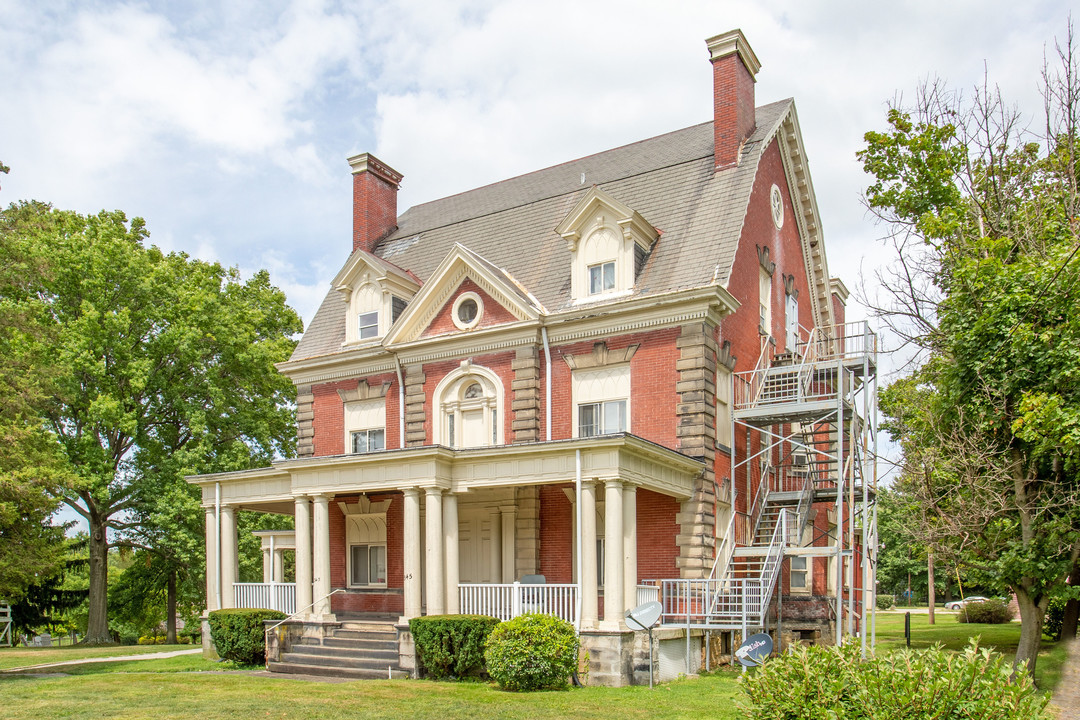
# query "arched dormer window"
(468, 405)
(366, 303)
(608, 242)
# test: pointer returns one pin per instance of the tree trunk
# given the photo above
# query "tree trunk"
(1032, 614)
(170, 609)
(930, 599)
(97, 626)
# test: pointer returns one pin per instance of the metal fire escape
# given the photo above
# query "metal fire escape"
(815, 415)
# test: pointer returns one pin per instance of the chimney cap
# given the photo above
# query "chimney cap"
(366, 162)
(733, 41)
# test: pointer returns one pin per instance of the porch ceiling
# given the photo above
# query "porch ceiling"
(623, 456)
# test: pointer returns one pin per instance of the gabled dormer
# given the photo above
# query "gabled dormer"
(470, 293)
(608, 243)
(376, 294)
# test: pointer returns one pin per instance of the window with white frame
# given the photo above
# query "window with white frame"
(365, 537)
(601, 399)
(468, 402)
(365, 425)
(764, 301)
(601, 278)
(799, 577)
(366, 302)
(368, 565)
(791, 321)
(723, 406)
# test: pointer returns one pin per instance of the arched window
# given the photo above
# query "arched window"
(468, 403)
(365, 324)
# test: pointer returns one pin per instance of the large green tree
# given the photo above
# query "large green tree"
(167, 368)
(31, 469)
(984, 214)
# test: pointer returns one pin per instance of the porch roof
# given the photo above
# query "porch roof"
(619, 456)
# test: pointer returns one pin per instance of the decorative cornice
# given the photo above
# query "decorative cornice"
(366, 162)
(731, 42)
(364, 391)
(724, 357)
(763, 253)
(600, 356)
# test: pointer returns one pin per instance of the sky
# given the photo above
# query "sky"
(226, 125)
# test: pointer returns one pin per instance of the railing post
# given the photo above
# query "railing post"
(515, 602)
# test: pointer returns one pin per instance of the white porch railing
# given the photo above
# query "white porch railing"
(647, 593)
(272, 596)
(508, 600)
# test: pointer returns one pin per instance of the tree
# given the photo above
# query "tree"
(167, 368)
(984, 217)
(31, 468)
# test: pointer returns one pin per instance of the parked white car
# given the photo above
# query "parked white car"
(957, 604)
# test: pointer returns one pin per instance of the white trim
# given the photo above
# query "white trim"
(454, 381)
(462, 324)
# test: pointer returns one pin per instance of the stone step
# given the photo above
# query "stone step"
(380, 654)
(389, 635)
(362, 644)
(342, 672)
(343, 661)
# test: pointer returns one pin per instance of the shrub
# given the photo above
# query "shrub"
(1055, 618)
(532, 652)
(449, 646)
(820, 682)
(988, 612)
(886, 602)
(239, 634)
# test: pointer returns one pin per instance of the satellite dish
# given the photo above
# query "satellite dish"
(755, 650)
(644, 616)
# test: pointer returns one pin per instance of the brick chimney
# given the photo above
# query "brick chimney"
(375, 186)
(734, 67)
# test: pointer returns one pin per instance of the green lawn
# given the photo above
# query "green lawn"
(216, 695)
(22, 656)
(954, 636)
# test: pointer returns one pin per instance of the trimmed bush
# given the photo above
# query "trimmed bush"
(826, 682)
(532, 652)
(987, 612)
(886, 602)
(451, 646)
(239, 634)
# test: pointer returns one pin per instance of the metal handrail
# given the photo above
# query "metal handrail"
(266, 633)
(755, 510)
(728, 539)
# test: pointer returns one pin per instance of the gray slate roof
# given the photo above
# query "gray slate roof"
(511, 224)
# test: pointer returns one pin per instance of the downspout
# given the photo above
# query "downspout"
(217, 544)
(577, 509)
(547, 400)
(401, 402)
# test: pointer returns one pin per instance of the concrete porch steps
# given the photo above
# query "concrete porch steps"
(354, 650)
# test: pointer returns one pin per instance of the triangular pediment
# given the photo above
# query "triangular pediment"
(362, 267)
(597, 204)
(463, 270)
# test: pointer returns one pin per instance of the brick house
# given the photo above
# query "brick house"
(620, 379)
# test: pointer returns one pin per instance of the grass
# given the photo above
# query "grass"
(954, 635)
(212, 695)
(22, 656)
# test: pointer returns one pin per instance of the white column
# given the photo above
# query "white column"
(614, 604)
(268, 566)
(303, 555)
(229, 566)
(450, 530)
(211, 560)
(279, 567)
(411, 559)
(630, 573)
(320, 571)
(509, 549)
(436, 573)
(589, 593)
(495, 568)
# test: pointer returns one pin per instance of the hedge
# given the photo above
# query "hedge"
(532, 652)
(886, 602)
(451, 646)
(988, 612)
(239, 634)
(826, 683)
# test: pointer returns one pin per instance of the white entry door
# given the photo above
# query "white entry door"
(474, 546)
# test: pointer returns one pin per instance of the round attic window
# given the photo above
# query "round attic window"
(776, 203)
(468, 308)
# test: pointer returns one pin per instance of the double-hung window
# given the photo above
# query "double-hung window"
(799, 581)
(601, 418)
(368, 564)
(370, 440)
(368, 325)
(601, 278)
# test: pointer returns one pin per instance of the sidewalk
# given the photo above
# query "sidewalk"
(144, 656)
(1067, 697)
